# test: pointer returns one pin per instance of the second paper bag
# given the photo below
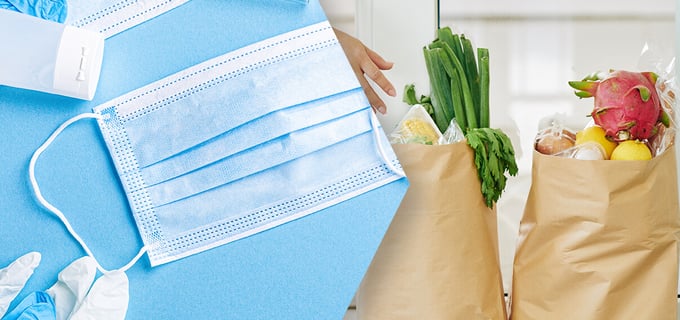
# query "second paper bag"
(439, 257)
(598, 241)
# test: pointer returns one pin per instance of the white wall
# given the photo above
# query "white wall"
(397, 30)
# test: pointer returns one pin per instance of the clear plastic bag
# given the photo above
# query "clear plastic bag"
(416, 127)
(584, 151)
(551, 140)
(554, 139)
(666, 86)
(453, 133)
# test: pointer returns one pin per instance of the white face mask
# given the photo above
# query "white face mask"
(242, 143)
(110, 17)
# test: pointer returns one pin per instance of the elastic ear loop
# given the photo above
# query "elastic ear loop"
(381, 147)
(57, 212)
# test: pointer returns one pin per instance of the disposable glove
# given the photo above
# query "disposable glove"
(14, 277)
(75, 296)
(37, 306)
(54, 10)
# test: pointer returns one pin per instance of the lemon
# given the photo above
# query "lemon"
(598, 135)
(631, 150)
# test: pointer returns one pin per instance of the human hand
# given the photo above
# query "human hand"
(365, 61)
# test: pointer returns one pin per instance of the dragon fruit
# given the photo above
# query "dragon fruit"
(627, 105)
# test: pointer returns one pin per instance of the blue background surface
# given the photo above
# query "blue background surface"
(305, 269)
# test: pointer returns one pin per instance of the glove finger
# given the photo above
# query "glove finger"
(14, 277)
(48, 10)
(72, 287)
(107, 300)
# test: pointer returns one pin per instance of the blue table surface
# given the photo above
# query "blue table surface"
(305, 269)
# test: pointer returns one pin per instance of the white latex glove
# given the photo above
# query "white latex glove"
(72, 286)
(13, 278)
(76, 297)
(107, 300)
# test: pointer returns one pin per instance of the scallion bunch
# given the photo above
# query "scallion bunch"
(459, 84)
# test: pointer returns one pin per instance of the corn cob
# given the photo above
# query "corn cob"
(419, 131)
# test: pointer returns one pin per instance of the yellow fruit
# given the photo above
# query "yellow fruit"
(596, 134)
(631, 150)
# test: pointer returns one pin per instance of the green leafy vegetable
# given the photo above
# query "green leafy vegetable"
(494, 155)
(410, 98)
(460, 90)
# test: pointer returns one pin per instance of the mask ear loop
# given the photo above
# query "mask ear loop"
(55, 210)
(381, 147)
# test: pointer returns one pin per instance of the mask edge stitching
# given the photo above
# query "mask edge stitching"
(214, 231)
(215, 65)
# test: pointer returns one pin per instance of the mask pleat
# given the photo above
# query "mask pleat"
(269, 154)
(274, 193)
(252, 133)
(158, 131)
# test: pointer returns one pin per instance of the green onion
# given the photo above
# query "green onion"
(441, 91)
(456, 95)
(470, 65)
(483, 56)
(454, 68)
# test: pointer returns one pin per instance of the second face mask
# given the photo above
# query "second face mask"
(110, 17)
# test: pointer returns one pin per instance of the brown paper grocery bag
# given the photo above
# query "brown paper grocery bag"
(439, 257)
(598, 240)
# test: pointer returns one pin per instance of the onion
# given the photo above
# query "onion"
(552, 143)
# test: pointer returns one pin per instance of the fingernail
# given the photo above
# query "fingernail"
(392, 92)
(382, 109)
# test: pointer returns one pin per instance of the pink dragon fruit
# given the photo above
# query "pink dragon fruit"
(627, 105)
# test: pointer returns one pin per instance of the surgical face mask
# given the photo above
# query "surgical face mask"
(242, 143)
(110, 17)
